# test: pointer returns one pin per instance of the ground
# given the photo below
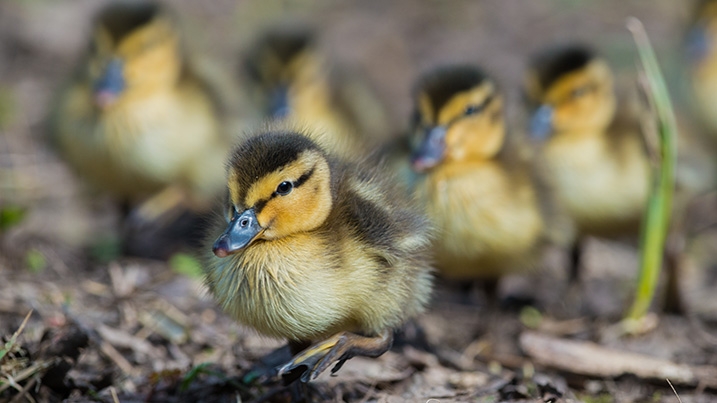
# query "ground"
(141, 330)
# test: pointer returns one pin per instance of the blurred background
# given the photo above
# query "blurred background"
(392, 43)
(49, 216)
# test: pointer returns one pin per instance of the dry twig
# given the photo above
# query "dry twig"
(590, 359)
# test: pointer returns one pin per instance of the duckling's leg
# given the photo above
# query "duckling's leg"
(340, 347)
(576, 256)
(266, 368)
(575, 299)
(674, 247)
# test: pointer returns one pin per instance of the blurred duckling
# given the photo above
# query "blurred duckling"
(597, 155)
(491, 209)
(316, 250)
(137, 121)
(592, 142)
(293, 79)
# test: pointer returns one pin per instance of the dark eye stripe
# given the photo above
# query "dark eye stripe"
(305, 177)
(258, 206)
(478, 109)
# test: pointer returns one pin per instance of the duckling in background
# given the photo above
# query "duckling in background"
(317, 250)
(293, 79)
(137, 120)
(491, 209)
(592, 143)
(595, 151)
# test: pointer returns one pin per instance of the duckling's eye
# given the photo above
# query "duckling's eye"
(579, 92)
(472, 109)
(284, 188)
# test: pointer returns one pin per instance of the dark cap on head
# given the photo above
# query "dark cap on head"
(284, 43)
(552, 63)
(122, 18)
(265, 153)
(442, 84)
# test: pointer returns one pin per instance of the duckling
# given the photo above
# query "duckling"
(137, 121)
(293, 79)
(317, 249)
(491, 208)
(596, 153)
(593, 145)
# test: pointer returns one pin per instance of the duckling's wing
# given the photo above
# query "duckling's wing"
(381, 214)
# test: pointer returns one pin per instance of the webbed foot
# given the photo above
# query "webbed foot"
(339, 348)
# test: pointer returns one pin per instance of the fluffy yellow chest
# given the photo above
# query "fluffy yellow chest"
(486, 220)
(601, 189)
(144, 142)
(289, 288)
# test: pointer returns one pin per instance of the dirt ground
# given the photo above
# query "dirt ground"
(142, 330)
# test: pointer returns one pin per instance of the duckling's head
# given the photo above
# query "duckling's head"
(279, 184)
(570, 89)
(134, 49)
(458, 116)
(282, 61)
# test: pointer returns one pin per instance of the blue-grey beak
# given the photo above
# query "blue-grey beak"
(110, 85)
(430, 152)
(697, 44)
(279, 103)
(242, 229)
(541, 123)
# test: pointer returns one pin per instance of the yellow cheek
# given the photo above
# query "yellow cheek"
(267, 218)
(304, 209)
(477, 137)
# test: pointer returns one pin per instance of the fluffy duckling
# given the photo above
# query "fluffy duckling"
(491, 209)
(593, 145)
(137, 120)
(314, 249)
(293, 79)
(595, 151)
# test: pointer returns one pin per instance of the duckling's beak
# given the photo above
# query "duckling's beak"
(430, 152)
(110, 85)
(697, 44)
(541, 123)
(242, 230)
(279, 103)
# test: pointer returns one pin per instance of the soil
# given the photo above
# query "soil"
(106, 328)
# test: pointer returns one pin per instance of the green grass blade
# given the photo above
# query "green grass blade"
(658, 212)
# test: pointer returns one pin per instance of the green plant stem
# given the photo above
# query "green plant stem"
(656, 221)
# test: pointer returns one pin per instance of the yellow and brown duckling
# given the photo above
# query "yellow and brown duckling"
(491, 210)
(592, 142)
(292, 78)
(137, 121)
(316, 250)
(594, 145)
